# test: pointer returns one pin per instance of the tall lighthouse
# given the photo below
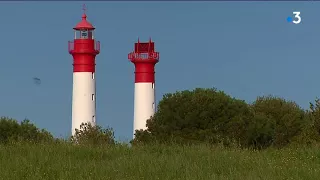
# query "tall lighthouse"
(84, 50)
(144, 59)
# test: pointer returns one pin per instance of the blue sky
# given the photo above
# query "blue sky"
(246, 49)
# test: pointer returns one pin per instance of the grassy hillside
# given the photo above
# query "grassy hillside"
(68, 162)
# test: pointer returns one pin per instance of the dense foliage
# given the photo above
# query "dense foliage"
(202, 115)
(12, 131)
(93, 135)
(211, 116)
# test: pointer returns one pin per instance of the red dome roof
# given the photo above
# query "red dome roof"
(84, 24)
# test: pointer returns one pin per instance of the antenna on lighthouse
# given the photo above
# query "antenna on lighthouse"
(138, 45)
(84, 8)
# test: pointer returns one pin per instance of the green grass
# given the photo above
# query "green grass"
(69, 162)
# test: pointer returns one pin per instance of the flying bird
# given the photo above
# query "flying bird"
(37, 81)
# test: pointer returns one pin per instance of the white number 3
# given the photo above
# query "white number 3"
(298, 18)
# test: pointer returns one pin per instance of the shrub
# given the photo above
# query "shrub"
(93, 135)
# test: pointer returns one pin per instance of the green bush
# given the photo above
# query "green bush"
(93, 135)
(11, 131)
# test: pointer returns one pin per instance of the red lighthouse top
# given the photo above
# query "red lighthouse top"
(84, 24)
(84, 48)
(144, 58)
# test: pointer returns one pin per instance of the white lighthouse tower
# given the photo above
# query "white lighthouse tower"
(144, 59)
(84, 50)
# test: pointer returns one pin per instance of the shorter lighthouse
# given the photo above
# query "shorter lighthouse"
(84, 50)
(144, 59)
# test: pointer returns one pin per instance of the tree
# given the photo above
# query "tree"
(201, 115)
(276, 121)
(12, 131)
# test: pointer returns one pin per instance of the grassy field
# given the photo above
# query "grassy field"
(67, 162)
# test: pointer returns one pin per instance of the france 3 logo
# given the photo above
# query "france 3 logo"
(296, 19)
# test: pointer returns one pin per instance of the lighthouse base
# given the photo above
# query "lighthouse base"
(144, 104)
(83, 99)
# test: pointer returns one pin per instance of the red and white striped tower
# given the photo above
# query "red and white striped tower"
(144, 59)
(84, 50)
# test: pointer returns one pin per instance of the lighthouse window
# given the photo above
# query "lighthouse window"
(84, 35)
(92, 75)
(152, 85)
(93, 119)
(93, 97)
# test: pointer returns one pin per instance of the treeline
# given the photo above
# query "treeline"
(211, 116)
(199, 116)
(13, 132)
